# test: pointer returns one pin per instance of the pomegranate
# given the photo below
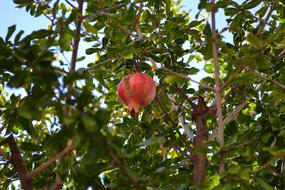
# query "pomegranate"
(136, 90)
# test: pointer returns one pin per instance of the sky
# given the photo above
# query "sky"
(10, 15)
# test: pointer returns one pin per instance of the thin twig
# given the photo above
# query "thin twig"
(230, 117)
(17, 161)
(186, 128)
(126, 170)
(137, 20)
(263, 23)
(153, 63)
(46, 164)
(268, 79)
(188, 78)
(1, 129)
(230, 79)
(124, 29)
(174, 125)
(110, 8)
(99, 64)
(70, 4)
(218, 87)
(234, 114)
(77, 35)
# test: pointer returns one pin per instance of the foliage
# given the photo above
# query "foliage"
(155, 149)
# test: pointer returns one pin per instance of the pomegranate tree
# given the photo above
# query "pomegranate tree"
(136, 90)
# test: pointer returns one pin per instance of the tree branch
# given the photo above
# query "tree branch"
(108, 9)
(217, 86)
(186, 128)
(98, 64)
(126, 170)
(188, 78)
(230, 117)
(137, 20)
(70, 4)
(199, 113)
(57, 184)
(234, 114)
(263, 22)
(268, 79)
(46, 164)
(174, 125)
(17, 161)
(77, 35)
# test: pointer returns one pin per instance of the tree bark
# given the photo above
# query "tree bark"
(199, 114)
(17, 160)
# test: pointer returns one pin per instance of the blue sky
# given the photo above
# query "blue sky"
(10, 15)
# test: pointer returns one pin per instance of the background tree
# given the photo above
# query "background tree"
(68, 129)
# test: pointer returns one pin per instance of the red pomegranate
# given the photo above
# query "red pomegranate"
(136, 90)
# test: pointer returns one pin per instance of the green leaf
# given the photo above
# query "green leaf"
(254, 41)
(128, 56)
(264, 184)
(90, 51)
(261, 12)
(18, 36)
(11, 30)
(151, 141)
(192, 71)
(102, 117)
(65, 42)
(236, 22)
(234, 169)
(89, 122)
(89, 28)
(25, 113)
(172, 78)
(30, 146)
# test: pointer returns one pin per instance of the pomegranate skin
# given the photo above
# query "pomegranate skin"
(136, 90)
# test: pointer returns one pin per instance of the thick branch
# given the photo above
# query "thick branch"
(199, 114)
(17, 161)
(217, 86)
(46, 164)
(77, 35)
